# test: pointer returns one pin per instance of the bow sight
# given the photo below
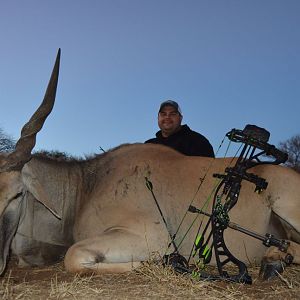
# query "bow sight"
(255, 151)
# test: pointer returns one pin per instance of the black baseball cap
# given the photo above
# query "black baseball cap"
(170, 103)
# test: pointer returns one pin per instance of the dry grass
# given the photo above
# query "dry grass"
(151, 281)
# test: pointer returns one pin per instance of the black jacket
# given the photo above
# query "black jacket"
(186, 141)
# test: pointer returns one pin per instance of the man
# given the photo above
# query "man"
(177, 136)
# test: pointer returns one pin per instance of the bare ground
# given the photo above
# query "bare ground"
(148, 282)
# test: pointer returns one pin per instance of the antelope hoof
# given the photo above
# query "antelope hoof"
(270, 270)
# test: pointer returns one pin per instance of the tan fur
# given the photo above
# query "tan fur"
(122, 200)
(116, 223)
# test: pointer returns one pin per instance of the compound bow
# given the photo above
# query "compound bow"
(256, 151)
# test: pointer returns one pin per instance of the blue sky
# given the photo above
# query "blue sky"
(227, 63)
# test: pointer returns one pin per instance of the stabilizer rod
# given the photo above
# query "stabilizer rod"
(268, 239)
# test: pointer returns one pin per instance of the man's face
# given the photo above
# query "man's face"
(169, 120)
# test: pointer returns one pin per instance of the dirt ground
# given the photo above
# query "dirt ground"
(148, 282)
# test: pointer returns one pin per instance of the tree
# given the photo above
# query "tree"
(292, 148)
(7, 143)
(58, 155)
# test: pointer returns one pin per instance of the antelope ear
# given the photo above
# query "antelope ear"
(36, 189)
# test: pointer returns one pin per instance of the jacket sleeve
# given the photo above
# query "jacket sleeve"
(200, 146)
(151, 141)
